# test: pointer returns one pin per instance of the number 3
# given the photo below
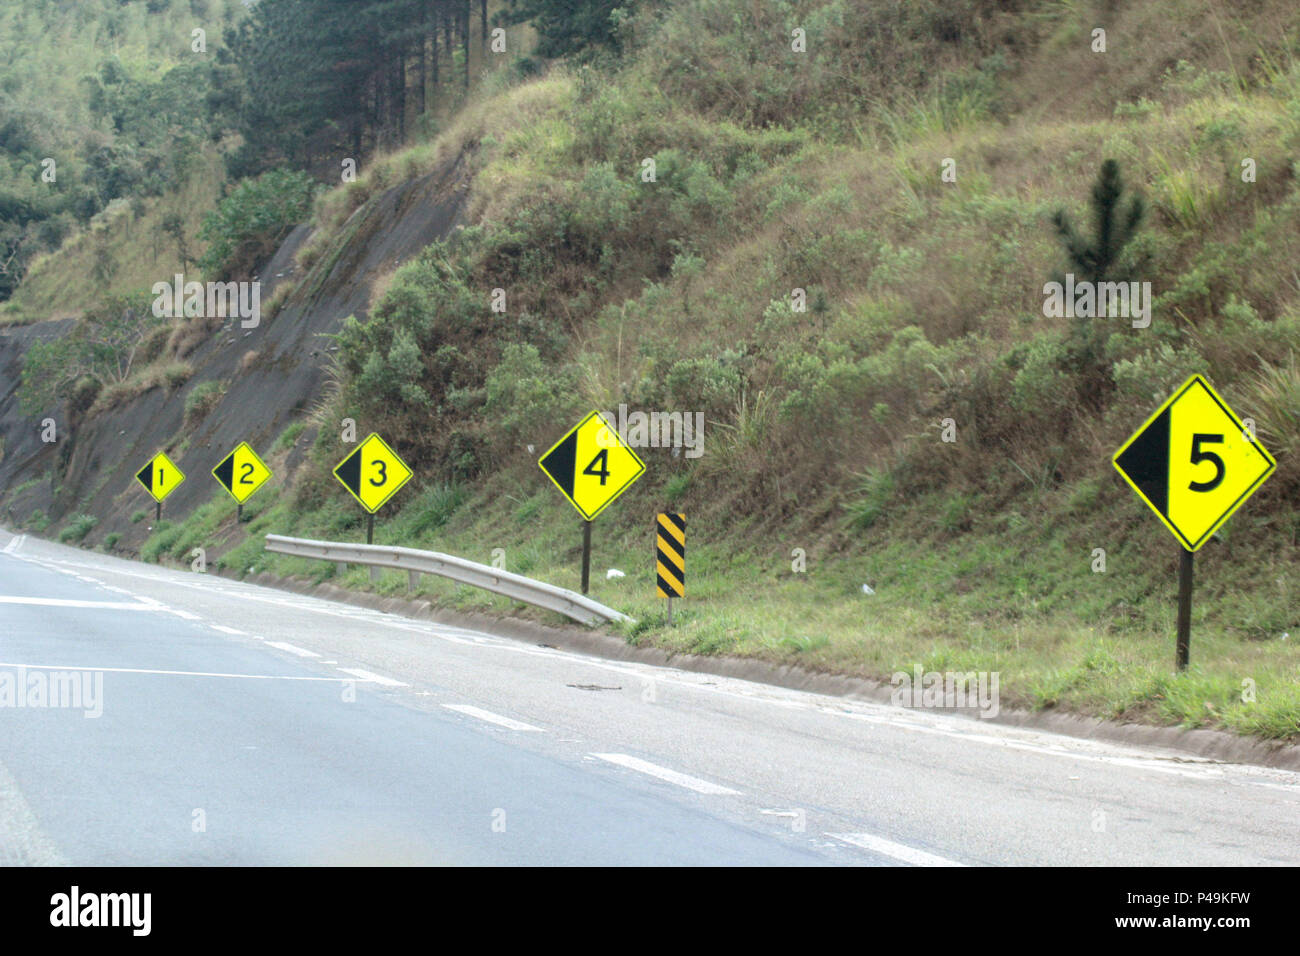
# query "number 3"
(1199, 456)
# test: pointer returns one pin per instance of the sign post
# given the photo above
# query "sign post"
(586, 554)
(241, 473)
(1194, 463)
(591, 466)
(372, 474)
(160, 477)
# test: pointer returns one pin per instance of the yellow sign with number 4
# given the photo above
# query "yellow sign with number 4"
(591, 466)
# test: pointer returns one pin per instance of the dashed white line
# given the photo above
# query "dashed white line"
(663, 773)
(372, 677)
(182, 614)
(226, 630)
(292, 648)
(492, 718)
(166, 673)
(70, 602)
(897, 851)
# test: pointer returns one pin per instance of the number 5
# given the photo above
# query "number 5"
(1199, 456)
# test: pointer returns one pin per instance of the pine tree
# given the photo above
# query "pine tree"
(1101, 257)
(1114, 224)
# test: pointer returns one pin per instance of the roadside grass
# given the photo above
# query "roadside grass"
(1025, 604)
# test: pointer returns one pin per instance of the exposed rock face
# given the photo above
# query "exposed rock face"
(90, 469)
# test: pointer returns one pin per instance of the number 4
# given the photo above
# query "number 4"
(603, 472)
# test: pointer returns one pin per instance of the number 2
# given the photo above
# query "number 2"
(247, 477)
(1199, 456)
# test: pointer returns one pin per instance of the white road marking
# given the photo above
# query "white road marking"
(146, 670)
(663, 773)
(889, 848)
(69, 602)
(1046, 743)
(370, 676)
(183, 614)
(22, 841)
(292, 649)
(492, 718)
(226, 630)
(15, 543)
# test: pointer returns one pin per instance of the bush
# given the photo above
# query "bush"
(289, 436)
(38, 521)
(78, 529)
(137, 517)
(201, 400)
(434, 507)
(526, 396)
(253, 218)
(111, 540)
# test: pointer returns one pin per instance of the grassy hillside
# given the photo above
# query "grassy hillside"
(776, 170)
(103, 104)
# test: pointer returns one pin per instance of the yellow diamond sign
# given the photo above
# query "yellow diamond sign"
(372, 473)
(160, 477)
(241, 472)
(591, 466)
(1194, 462)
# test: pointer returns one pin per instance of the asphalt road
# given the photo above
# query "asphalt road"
(224, 723)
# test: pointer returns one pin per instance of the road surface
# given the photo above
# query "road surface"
(244, 725)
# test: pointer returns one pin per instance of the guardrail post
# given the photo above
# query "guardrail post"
(412, 580)
(374, 574)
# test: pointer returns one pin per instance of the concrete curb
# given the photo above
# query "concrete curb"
(1206, 744)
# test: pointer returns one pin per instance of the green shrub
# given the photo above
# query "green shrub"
(201, 400)
(876, 490)
(78, 529)
(434, 507)
(38, 521)
(525, 396)
(138, 516)
(177, 374)
(289, 436)
(164, 538)
(253, 218)
(111, 540)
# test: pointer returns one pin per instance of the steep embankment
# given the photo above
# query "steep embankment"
(272, 375)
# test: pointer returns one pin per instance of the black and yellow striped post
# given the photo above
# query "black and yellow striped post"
(670, 558)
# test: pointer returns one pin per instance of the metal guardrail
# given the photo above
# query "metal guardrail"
(415, 562)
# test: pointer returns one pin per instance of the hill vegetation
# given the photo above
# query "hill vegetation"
(827, 226)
